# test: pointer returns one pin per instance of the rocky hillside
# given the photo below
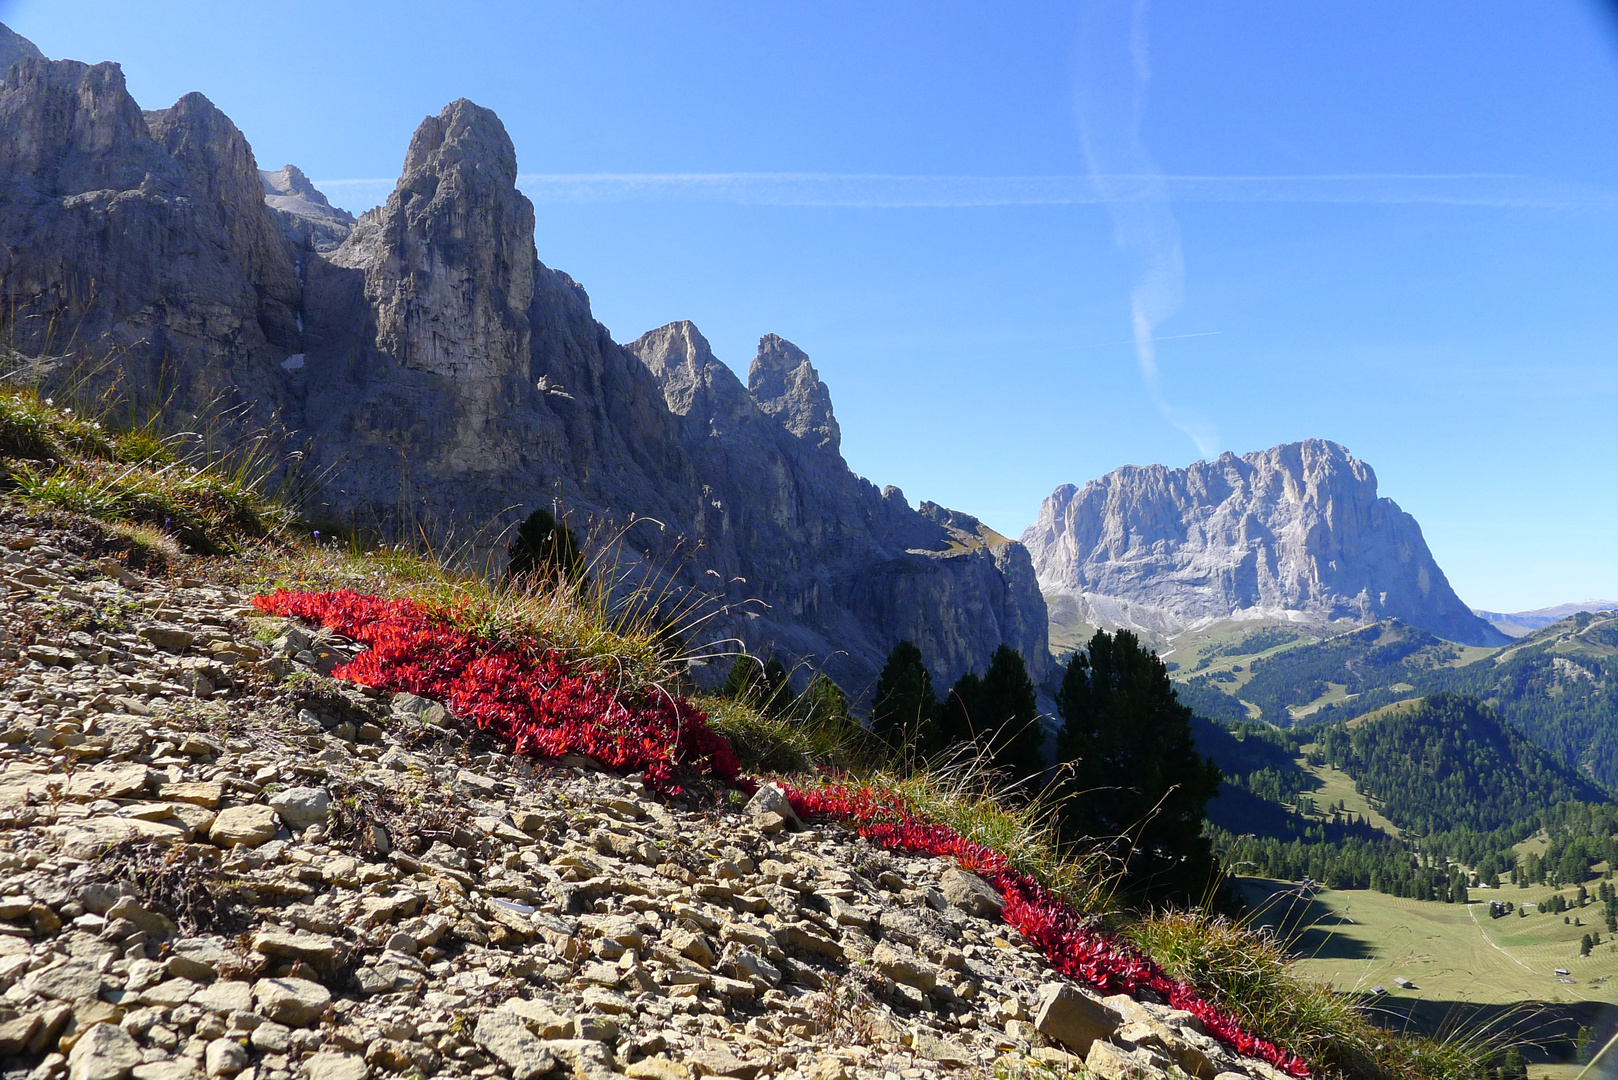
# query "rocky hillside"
(214, 861)
(1293, 533)
(438, 376)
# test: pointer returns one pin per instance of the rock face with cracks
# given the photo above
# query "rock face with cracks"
(437, 376)
(458, 912)
(1295, 532)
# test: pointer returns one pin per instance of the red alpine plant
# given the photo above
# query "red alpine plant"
(536, 700)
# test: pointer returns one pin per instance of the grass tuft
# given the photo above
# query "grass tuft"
(1248, 972)
(791, 742)
(54, 457)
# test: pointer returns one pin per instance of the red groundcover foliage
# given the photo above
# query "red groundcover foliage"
(540, 701)
(534, 699)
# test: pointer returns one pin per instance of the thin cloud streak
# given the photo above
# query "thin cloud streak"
(897, 191)
(1110, 102)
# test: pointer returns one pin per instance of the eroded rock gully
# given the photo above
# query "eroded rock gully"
(216, 862)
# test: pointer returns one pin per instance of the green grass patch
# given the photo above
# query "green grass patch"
(54, 457)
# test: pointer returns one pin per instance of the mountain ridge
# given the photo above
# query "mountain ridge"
(437, 376)
(1519, 624)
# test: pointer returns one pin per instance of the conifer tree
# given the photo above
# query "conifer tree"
(742, 683)
(958, 717)
(1136, 779)
(822, 700)
(1010, 709)
(544, 551)
(776, 690)
(904, 712)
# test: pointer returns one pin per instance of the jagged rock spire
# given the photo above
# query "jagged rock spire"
(786, 385)
(449, 261)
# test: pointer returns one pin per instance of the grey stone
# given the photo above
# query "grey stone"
(301, 807)
(197, 958)
(1111, 1062)
(290, 1001)
(225, 1057)
(169, 993)
(905, 967)
(184, 1068)
(770, 799)
(16, 1033)
(335, 1066)
(721, 1063)
(74, 980)
(105, 1052)
(932, 1046)
(158, 927)
(1073, 1018)
(271, 1038)
(165, 636)
(971, 893)
(590, 1060)
(315, 948)
(506, 1036)
(250, 825)
(541, 1019)
(224, 997)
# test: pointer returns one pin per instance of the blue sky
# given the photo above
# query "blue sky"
(1028, 243)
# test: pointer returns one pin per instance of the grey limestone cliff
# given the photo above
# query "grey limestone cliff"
(437, 375)
(141, 238)
(14, 47)
(1293, 531)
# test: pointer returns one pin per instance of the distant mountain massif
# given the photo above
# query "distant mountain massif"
(1295, 535)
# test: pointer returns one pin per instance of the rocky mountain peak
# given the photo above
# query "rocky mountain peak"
(305, 215)
(464, 143)
(98, 137)
(289, 181)
(14, 47)
(963, 528)
(1295, 530)
(449, 261)
(695, 383)
(147, 239)
(786, 386)
(445, 381)
(219, 164)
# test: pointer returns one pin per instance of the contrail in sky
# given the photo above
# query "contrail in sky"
(1114, 73)
(877, 190)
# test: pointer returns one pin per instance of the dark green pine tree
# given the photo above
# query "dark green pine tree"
(1137, 782)
(997, 710)
(776, 690)
(904, 712)
(1011, 710)
(958, 717)
(544, 551)
(822, 701)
